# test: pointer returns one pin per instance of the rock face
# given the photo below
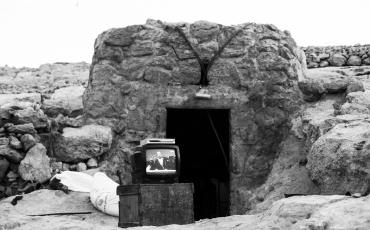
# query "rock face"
(337, 140)
(139, 71)
(36, 165)
(76, 144)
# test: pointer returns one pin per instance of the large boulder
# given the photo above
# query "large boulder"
(339, 161)
(328, 81)
(36, 165)
(78, 144)
(66, 101)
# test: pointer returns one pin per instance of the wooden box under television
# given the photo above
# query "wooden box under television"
(155, 204)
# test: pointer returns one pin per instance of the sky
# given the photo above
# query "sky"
(34, 32)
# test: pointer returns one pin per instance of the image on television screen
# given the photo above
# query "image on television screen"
(160, 161)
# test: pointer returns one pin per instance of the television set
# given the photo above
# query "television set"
(156, 162)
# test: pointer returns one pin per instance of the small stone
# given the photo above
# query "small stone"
(323, 56)
(132, 107)
(92, 163)
(4, 165)
(12, 176)
(356, 195)
(56, 166)
(28, 141)
(2, 189)
(36, 165)
(73, 167)
(22, 129)
(8, 191)
(81, 167)
(7, 125)
(312, 65)
(2, 130)
(324, 64)
(15, 143)
(65, 167)
(366, 61)
(4, 141)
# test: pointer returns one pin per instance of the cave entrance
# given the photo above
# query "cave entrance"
(203, 136)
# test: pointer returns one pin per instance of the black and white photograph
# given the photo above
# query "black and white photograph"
(178, 115)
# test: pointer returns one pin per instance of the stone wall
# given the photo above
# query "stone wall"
(42, 132)
(323, 56)
(139, 71)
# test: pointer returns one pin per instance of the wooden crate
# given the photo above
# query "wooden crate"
(155, 204)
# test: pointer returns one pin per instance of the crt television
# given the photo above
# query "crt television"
(156, 162)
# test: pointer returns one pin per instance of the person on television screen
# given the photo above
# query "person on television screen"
(158, 163)
(170, 162)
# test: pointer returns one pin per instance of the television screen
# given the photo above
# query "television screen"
(160, 161)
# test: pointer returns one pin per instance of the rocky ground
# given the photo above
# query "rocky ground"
(298, 213)
(326, 153)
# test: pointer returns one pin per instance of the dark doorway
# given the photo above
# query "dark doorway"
(203, 136)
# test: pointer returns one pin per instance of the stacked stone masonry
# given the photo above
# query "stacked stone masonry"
(139, 71)
(324, 56)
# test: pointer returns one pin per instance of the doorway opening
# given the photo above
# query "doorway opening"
(203, 136)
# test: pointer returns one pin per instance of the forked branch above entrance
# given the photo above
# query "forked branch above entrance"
(204, 63)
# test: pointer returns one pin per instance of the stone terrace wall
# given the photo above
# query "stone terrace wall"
(323, 56)
(135, 75)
